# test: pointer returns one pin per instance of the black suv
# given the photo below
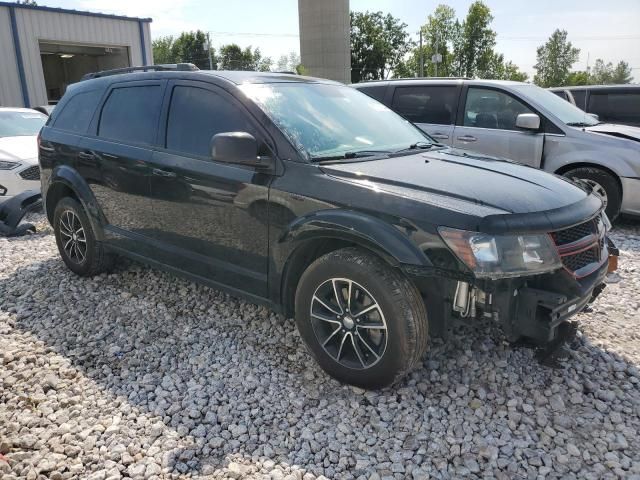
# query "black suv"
(320, 202)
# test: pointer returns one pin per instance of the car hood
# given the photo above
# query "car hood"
(621, 131)
(464, 182)
(17, 149)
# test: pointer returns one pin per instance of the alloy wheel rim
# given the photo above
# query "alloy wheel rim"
(597, 189)
(349, 323)
(74, 240)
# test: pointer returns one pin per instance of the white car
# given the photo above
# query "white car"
(19, 170)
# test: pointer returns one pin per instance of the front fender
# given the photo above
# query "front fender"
(63, 177)
(371, 232)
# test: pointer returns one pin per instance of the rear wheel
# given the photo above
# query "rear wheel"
(604, 185)
(363, 321)
(76, 241)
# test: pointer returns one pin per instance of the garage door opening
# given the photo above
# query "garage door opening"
(64, 64)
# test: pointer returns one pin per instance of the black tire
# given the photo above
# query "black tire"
(70, 217)
(399, 306)
(607, 181)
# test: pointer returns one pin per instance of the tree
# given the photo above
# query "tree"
(288, 63)
(189, 47)
(579, 77)
(466, 48)
(478, 39)
(232, 57)
(554, 60)
(606, 74)
(162, 50)
(378, 45)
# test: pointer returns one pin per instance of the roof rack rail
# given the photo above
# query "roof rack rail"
(181, 67)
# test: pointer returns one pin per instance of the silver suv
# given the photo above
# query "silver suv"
(524, 123)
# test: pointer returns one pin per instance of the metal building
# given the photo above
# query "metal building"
(325, 49)
(44, 49)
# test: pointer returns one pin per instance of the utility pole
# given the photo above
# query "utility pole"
(207, 45)
(437, 53)
(421, 56)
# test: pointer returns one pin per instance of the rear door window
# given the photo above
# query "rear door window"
(196, 115)
(427, 104)
(487, 108)
(615, 106)
(77, 113)
(130, 114)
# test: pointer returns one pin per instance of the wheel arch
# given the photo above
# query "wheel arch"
(571, 166)
(308, 238)
(67, 182)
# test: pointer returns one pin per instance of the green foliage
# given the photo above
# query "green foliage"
(579, 77)
(189, 47)
(378, 44)
(232, 57)
(607, 74)
(478, 39)
(467, 47)
(554, 60)
(288, 63)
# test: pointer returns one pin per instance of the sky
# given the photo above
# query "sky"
(601, 29)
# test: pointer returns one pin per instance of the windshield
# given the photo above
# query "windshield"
(19, 124)
(333, 120)
(566, 112)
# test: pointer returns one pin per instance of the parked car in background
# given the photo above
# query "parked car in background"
(525, 123)
(308, 196)
(19, 171)
(618, 104)
(46, 109)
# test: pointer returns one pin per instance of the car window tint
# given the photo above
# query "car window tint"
(560, 93)
(130, 114)
(426, 104)
(486, 108)
(76, 115)
(375, 91)
(615, 106)
(579, 98)
(196, 115)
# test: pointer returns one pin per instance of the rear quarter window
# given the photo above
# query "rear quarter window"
(376, 92)
(76, 114)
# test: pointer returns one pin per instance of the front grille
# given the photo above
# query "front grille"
(573, 234)
(31, 173)
(581, 248)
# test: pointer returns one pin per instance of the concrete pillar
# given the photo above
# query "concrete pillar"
(324, 38)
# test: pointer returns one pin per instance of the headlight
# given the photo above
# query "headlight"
(7, 165)
(497, 256)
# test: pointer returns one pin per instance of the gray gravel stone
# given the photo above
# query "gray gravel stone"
(139, 374)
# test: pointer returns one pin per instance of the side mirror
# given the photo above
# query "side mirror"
(235, 147)
(528, 121)
(594, 116)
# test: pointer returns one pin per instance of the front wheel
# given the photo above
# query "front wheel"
(364, 322)
(603, 184)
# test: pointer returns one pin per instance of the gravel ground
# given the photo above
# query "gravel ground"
(139, 374)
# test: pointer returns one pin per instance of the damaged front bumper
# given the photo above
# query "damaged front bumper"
(535, 309)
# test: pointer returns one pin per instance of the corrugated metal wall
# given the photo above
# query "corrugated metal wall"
(10, 93)
(34, 25)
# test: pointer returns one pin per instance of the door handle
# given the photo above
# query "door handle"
(163, 173)
(440, 136)
(467, 138)
(86, 156)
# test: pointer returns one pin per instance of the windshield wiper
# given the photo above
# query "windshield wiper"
(416, 146)
(580, 124)
(352, 154)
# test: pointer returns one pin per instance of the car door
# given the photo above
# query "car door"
(210, 217)
(432, 108)
(488, 125)
(116, 154)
